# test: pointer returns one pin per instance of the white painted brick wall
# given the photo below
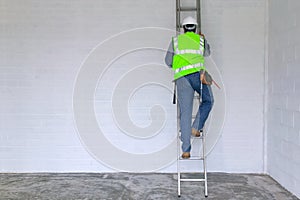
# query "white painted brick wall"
(284, 105)
(235, 30)
(43, 44)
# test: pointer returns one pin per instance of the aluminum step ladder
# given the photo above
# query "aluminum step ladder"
(196, 10)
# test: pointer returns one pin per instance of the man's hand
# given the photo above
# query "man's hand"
(201, 76)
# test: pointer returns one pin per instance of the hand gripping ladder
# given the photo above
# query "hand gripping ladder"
(202, 157)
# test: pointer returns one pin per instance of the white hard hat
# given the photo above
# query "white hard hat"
(189, 20)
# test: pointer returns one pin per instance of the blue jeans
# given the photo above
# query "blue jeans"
(186, 87)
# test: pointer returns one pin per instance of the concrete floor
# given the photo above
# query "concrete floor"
(123, 186)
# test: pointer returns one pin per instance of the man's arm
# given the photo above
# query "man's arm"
(206, 48)
(169, 55)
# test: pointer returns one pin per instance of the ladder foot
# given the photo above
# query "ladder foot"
(179, 196)
(206, 196)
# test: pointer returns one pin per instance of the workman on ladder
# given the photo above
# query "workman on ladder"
(186, 56)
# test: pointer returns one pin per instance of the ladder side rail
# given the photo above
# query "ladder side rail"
(177, 113)
(204, 164)
(178, 15)
(198, 5)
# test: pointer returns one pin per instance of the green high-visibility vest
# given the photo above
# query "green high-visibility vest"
(188, 54)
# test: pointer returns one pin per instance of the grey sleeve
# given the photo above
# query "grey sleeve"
(206, 48)
(169, 55)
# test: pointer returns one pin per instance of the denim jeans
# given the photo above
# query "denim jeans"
(186, 87)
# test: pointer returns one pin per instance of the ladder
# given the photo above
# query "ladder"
(196, 11)
(188, 9)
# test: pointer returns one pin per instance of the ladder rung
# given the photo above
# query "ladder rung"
(191, 158)
(192, 179)
(192, 136)
(187, 9)
(193, 116)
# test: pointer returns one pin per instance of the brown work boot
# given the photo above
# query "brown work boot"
(186, 155)
(196, 133)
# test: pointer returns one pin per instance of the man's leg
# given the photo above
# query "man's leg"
(185, 98)
(195, 81)
(195, 129)
(206, 105)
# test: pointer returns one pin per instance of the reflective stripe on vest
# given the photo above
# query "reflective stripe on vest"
(192, 51)
(198, 65)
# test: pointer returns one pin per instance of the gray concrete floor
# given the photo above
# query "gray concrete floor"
(125, 186)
